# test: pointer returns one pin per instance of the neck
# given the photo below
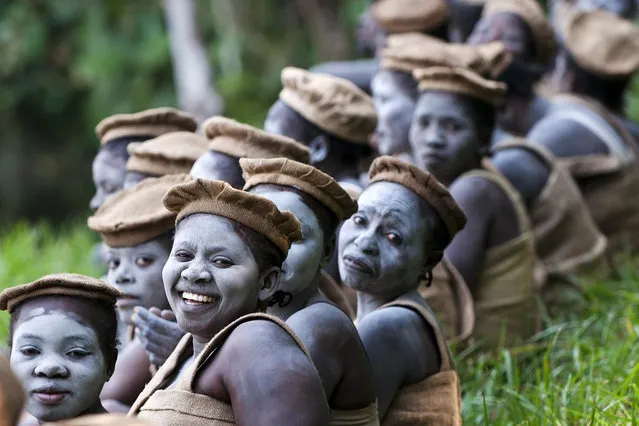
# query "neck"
(299, 300)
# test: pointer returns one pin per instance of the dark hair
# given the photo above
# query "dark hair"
(465, 16)
(483, 115)
(521, 77)
(266, 254)
(98, 315)
(440, 32)
(118, 146)
(407, 84)
(610, 92)
(327, 220)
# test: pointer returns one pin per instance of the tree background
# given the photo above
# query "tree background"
(65, 65)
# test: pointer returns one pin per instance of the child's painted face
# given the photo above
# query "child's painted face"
(60, 363)
(137, 272)
(109, 172)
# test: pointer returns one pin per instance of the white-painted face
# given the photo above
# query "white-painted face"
(60, 364)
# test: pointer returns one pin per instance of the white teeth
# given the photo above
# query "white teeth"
(199, 298)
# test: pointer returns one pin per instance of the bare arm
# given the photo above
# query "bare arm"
(401, 349)
(267, 378)
(524, 170)
(130, 376)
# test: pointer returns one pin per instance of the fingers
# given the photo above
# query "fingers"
(168, 315)
(155, 311)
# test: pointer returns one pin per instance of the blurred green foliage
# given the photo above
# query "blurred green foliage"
(65, 65)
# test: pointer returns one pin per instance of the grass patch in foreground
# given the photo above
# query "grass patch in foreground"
(579, 370)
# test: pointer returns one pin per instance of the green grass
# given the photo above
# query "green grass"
(580, 370)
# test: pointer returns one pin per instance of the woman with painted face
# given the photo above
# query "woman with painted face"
(117, 132)
(404, 222)
(329, 115)
(450, 135)
(170, 154)
(320, 205)
(230, 140)
(63, 337)
(586, 127)
(137, 228)
(235, 366)
(522, 27)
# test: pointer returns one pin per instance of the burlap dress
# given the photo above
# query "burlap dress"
(179, 405)
(608, 182)
(436, 400)
(505, 306)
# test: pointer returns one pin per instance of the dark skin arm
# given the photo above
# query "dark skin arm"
(337, 352)
(266, 377)
(130, 376)
(491, 220)
(402, 351)
(524, 170)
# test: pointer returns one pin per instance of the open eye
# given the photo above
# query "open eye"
(144, 261)
(359, 220)
(393, 238)
(78, 353)
(183, 256)
(222, 262)
(29, 351)
(114, 263)
(452, 126)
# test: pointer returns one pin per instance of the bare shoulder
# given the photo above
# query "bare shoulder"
(478, 195)
(555, 131)
(324, 321)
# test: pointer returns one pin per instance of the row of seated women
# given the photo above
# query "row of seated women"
(261, 278)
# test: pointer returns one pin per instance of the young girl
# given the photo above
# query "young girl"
(137, 228)
(63, 336)
(404, 222)
(235, 366)
(320, 205)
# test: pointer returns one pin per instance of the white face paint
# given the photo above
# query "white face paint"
(60, 364)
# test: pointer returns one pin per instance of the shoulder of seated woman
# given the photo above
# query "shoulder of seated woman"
(325, 323)
(565, 137)
(253, 345)
(524, 170)
(406, 335)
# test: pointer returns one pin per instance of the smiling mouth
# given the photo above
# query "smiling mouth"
(195, 299)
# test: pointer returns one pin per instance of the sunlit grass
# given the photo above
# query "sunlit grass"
(580, 370)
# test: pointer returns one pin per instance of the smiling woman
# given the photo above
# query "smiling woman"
(63, 343)
(235, 366)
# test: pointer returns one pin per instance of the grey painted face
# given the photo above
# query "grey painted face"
(383, 247)
(60, 364)
(444, 138)
(133, 178)
(211, 277)
(504, 27)
(305, 257)
(279, 121)
(109, 172)
(137, 272)
(395, 110)
(215, 166)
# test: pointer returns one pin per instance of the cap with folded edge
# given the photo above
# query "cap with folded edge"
(333, 104)
(136, 215)
(171, 153)
(401, 16)
(410, 51)
(603, 44)
(151, 122)
(424, 184)
(308, 179)
(66, 284)
(221, 199)
(101, 420)
(533, 15)
(243, 141)
(462, 81)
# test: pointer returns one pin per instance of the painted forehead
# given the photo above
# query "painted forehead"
(389, 199)
(79, 309)
(289, 201)
(443, 104)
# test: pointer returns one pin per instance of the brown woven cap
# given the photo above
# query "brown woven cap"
(462, 81)
(101, 420)
(171, 153)
(221, 199)
(136, 215)
(151, 122)
(308, 179)
(243, 141)
(603, 43)
(410, 51)
(402, 16)
(424, 184)
(59, 285)
(333, 104)
(12, 395)
(533, 15)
